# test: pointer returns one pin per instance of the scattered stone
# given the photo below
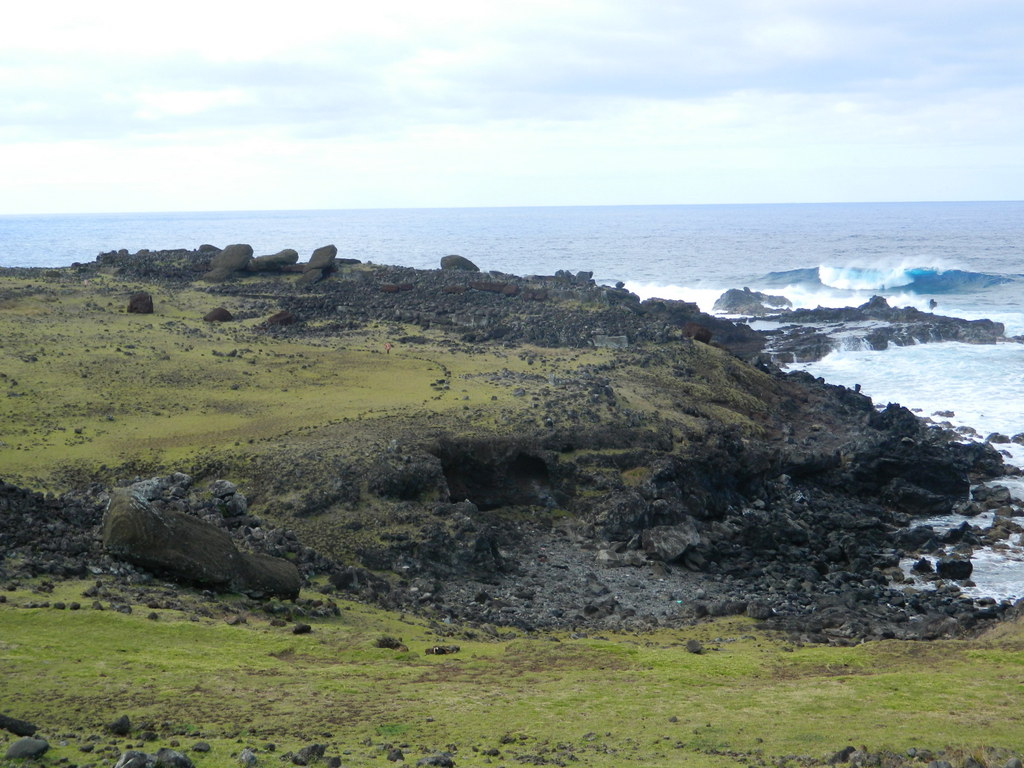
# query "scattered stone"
(395, 755)
(201, 746)
(952, 568)
(301, 629)
(247, 758)
(135, 759)
(694, 646)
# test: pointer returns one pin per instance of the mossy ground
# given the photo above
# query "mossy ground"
(750, 698)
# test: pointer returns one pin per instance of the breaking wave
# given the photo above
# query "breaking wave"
(927, 280)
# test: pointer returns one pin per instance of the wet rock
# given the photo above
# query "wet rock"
(951, 568)
(284, 317)
(747, 302)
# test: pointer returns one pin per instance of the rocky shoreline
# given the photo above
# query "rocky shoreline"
(800, 523)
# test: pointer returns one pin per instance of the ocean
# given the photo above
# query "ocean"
(967, 257)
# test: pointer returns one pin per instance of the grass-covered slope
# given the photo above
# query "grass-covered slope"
(749, 698)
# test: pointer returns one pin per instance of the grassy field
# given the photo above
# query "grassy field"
(84, 384)
(748, 699)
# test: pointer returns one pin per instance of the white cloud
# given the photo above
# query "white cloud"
(465, 103)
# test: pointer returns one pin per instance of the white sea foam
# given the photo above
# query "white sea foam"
(980, 384)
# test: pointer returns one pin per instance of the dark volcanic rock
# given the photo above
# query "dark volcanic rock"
(951, 568)
(751, 303)
(810, 334)
(140, 303)
(17, 727)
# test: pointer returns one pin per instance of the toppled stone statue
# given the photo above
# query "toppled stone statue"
(189, 549)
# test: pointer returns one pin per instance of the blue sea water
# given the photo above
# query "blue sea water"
(968, 257)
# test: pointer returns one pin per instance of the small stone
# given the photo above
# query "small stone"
(694, 646)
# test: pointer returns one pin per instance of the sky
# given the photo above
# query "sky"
(110, 106)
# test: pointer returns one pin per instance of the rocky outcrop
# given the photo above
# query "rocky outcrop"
(189, 549)
(750, 303)
(810, 334)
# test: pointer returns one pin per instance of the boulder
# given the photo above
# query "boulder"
(460, 263)
(218, 315)
(189, 549)
(273, 262)
(322, 258)
(28, 748)
(668, 543)
(17, 727)
(951, 568)
(232, 259)
(140, 303)
(122, 726)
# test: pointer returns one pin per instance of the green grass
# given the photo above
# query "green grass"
(613, 699)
